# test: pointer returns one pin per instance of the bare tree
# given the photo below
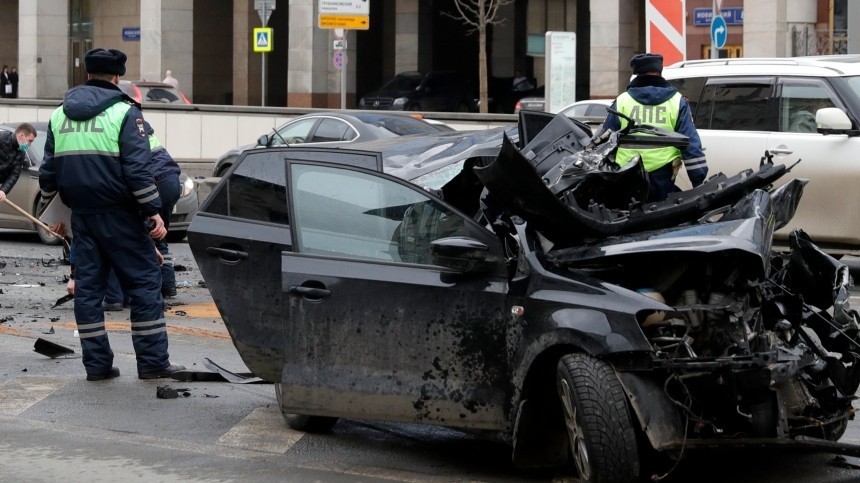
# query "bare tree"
(478, 14)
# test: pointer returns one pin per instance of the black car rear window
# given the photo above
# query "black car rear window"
(398, 125)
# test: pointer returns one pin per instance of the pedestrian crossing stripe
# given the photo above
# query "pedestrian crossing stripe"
(262, 40)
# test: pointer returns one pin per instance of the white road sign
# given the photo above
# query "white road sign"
(344, 7)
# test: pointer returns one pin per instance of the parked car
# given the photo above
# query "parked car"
(148, 91)
(332, 129)
(592, 112)
(414, 91)
(26, 194)
(744, 107)
(531, 297)
(530, 104)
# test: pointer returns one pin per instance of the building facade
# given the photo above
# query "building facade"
(208, 45)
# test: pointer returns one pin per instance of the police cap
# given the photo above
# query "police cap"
(645, 63)
(105, 61)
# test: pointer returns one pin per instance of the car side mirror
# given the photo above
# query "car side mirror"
(465, 255)
(263, 140)
(832, 120)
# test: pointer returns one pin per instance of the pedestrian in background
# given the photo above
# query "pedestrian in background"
(97, 157)
(13, 156)
(13, 79)
(169, 79)
(5, 84)
(651, 99)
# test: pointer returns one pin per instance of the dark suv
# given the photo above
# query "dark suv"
(414, 91)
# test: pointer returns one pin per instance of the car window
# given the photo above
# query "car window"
(330, 130)
(295, 132)
(159, 94)
(799, 100)
(691, 89)
(402, 83)
(255, 191)
(576, 111)
(738, 106)
(345, 213)
(598, 110)
(386, 125)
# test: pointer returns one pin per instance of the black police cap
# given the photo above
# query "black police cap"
(105, 61)
(644, 63)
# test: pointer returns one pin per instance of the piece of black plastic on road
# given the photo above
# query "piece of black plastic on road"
(50, 349)
(218, 374)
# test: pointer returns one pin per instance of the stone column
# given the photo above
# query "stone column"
(405, 35)
(766, 29)
(309, 57)
(43, 48)
(614, 40)
(167, 41)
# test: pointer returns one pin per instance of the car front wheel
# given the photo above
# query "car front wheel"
(599, 426)
(304, 422)
(44, 235)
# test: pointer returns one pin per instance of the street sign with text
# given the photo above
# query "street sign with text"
(344, 14)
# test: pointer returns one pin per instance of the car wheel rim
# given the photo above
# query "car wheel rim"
(574, 432)
(46, 235)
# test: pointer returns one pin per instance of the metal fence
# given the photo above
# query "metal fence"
(805, 40)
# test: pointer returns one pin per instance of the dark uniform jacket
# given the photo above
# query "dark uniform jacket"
(93, 181)
(12, 161)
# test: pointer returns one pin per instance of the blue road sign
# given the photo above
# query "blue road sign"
(719, 31)
(733, 15)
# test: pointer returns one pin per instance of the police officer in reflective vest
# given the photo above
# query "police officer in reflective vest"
(651, 99)
(97, 156)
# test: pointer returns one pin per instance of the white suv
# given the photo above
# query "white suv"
(743, 107)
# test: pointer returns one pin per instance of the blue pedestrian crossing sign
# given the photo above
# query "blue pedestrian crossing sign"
(262, 40)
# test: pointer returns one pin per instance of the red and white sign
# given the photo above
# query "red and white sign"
(666, 29)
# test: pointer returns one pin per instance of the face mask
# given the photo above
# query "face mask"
(23, 147)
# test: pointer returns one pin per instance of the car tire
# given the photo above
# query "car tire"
(44, 235)
(176, 236)
(600, 430)
(222, 170)
(304, 422)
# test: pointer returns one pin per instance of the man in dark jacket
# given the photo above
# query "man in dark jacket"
(97, 157)
(651, 99)
(13, 156)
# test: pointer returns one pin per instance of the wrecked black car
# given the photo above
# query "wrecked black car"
(529, 294)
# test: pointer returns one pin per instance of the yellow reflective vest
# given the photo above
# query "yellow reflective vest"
(663, 115)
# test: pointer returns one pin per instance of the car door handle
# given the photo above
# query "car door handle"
(780, 151)
(310, 292)
(227, 255)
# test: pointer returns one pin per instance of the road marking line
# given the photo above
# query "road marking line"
(18, 394)
(262, 430)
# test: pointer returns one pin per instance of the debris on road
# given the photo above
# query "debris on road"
(51, 330)
(167, 392)
(50, 349)
(218, 374)
(62, 300)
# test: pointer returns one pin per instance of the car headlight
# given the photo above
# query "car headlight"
(187, 186)
(399, 102)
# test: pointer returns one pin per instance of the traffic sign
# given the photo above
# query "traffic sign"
(339, 59)
(262, 40)
(339, 44)
(264, 9)
(719, 31)
(344, 14)
(351, 22)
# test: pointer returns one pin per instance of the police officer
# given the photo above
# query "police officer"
(165, 171)
(97, 157)
(651, 99)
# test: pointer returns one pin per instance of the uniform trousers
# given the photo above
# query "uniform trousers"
(118, 240)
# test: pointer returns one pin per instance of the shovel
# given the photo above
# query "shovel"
(36, 221)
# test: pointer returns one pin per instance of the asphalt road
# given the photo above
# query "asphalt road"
(57, 426)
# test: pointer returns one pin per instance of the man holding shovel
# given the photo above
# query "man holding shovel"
(13, 155)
